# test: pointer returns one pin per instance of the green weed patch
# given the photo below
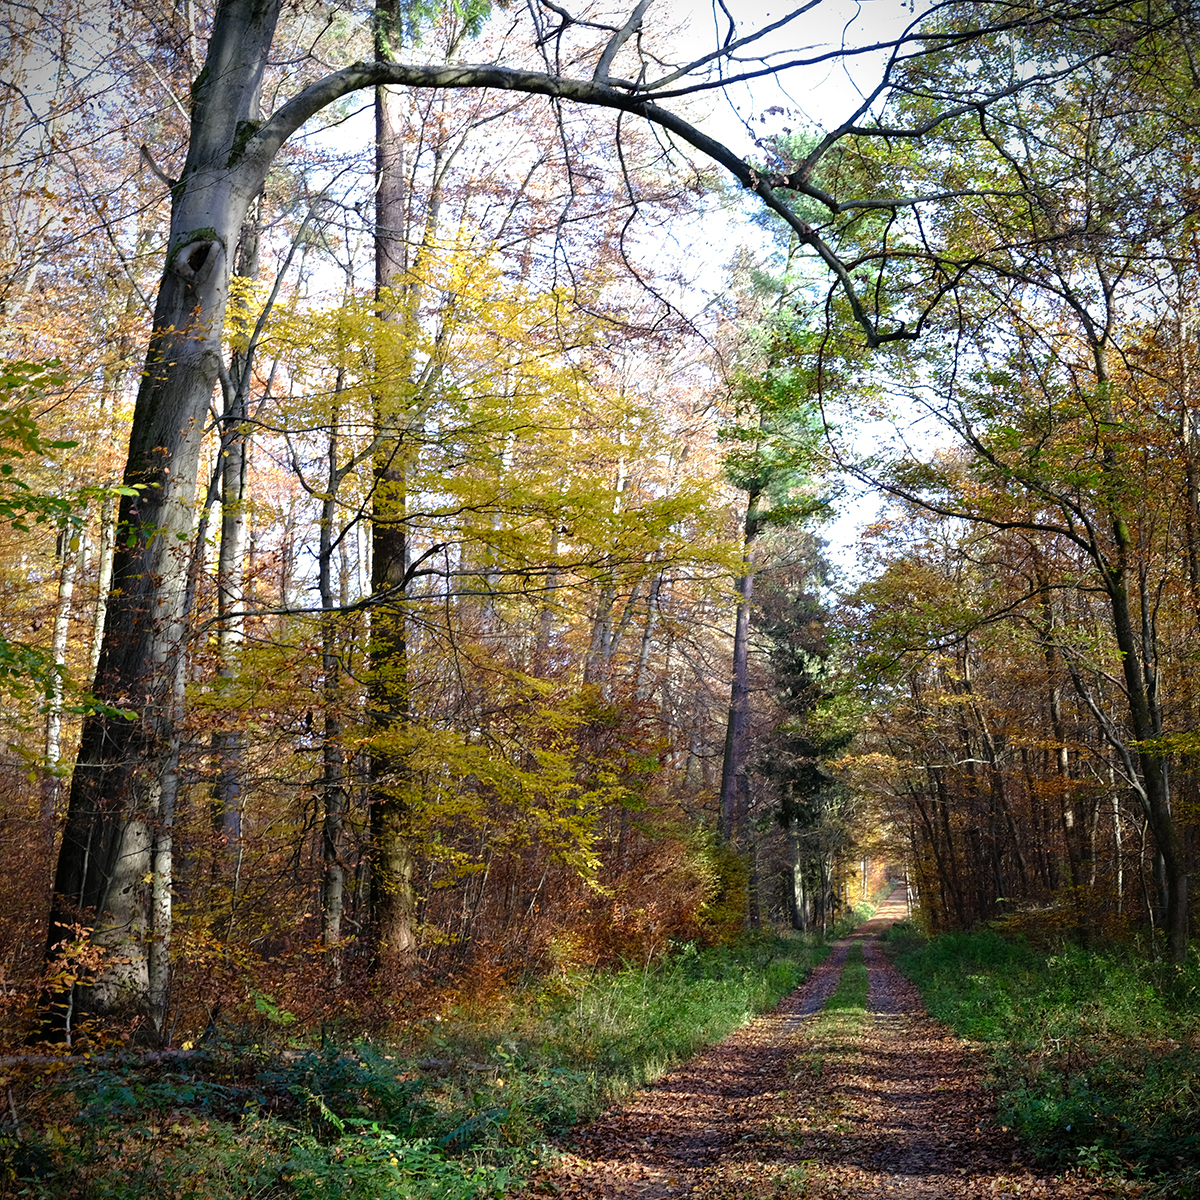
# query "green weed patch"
(851, 993)
(1096, 1055)
(838, 1026)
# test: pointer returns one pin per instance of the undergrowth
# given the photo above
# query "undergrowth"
(1095, 1054)
(462, 1110)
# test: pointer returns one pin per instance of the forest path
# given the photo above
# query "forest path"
(790, 1106)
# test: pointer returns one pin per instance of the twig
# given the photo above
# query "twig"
(12, 1107)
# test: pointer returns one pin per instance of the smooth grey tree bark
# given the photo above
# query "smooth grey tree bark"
(104, 863)
(228, 744)
(393, 858)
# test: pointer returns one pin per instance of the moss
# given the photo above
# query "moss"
(205, 234)
(241, 137)
(199, 82)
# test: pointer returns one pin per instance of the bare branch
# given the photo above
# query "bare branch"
(618, 40)
(155, 169)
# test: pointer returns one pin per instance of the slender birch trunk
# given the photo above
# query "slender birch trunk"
(71, 558)
(104, 572)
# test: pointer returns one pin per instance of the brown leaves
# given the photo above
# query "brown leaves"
(900, 1113)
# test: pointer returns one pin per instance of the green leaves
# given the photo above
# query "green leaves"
(26, 668)
(22, 384)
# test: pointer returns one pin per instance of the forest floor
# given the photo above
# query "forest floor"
(807, 1103)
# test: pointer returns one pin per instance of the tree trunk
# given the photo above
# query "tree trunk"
(798, 894)
(393, 898)
(545, 633)
(1136, 641)
(734, 802)
(123, 760)
(104, 571)
(1146, 725)
(71, 556)
(228, 744)
(162, 862)
(333, 767)
(642, 686)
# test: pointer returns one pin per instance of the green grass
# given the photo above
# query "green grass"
(562, 1053)
(851, 993)
(1095, 1055)
(462, 1111)
(837, 1028)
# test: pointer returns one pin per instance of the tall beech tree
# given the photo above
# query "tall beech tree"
(104, 869)
(405, 236)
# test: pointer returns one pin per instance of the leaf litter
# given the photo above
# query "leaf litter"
(786, 1109)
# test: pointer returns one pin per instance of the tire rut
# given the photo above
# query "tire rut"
(783, 1110)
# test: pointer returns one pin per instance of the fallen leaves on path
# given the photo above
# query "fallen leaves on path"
(785, 1109)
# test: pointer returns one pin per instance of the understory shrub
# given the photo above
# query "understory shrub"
(1095, 1054)
(462, 1110)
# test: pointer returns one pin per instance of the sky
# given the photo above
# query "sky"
(821, 95)
(818, 97)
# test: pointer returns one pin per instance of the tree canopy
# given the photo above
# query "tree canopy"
(406, 571)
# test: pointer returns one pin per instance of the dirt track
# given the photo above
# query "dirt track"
(780, 1109)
